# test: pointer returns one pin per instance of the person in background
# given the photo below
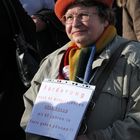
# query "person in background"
(93, 40)
(11, 86)
(51, 33)
(49, 30)
(130, 19)
(33, 6)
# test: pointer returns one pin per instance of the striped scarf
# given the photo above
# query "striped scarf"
(76, 64)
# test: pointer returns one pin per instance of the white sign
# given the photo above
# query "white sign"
(59, 108)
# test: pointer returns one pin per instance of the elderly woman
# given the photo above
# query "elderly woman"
(90, 26)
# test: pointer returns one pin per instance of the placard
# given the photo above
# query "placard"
(59, 109)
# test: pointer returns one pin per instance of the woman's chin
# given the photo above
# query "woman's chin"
(80, 41)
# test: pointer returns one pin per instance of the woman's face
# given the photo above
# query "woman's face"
(83, 25)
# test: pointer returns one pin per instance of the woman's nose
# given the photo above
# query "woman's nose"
(76, 22)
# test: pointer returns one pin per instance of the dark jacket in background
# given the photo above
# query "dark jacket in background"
(11, 88)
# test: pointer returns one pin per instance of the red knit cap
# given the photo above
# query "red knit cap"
(62, 5)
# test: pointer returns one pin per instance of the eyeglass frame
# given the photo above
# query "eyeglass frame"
(87, 15)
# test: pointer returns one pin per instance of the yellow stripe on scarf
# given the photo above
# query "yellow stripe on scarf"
(73, 59)
(107, 36)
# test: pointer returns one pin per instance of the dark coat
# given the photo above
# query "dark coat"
(11, 87)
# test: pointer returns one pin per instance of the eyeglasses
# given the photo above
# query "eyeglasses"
(82, 17)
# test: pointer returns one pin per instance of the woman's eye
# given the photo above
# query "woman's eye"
(69, 17)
